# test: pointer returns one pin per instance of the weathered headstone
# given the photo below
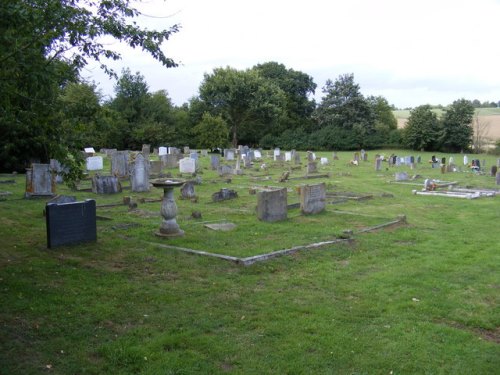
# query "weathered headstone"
(258, 154)
(186, 150)
(40, 181)
(139, 174)
(57, 169)
(288, 156)
(146, 150)
(246, 161)
(119, 163)
(204, 153)
(214, 162)
(225, 170)
(494, 170)
(277, 152)
(193, 155)
(296, 158)
(71, 223)
(155, 166)
(401, 176)
(312, 198)
(94, 163)
(224, 194)
(229, 154)
(378, 164)
(312, 167)
(187, 190)
(106, 184)
(89, 151)
(187, 165)
(272, 205)
(169, 161)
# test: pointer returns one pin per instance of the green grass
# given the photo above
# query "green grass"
(413, 299)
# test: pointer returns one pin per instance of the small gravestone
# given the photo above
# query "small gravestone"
(288, 156)
(356, 156)
(272, 205)
(169, 161)
(401, 176)
(225, 170)
(139, 174)
(378, 164)
(312, 167)
(71, 223)
(324, 161)
(494, 170)
(214, 162)
(94, 163)
(277, 153)
(246, 161)
(187, 165)
(419, 159)
(312, 198)
(310, 156)
(229, 154)
(498, 163)
(257, 154)
(204, 153)
(162, 151)
(89, 151)
(40, 181)
(466, 160)
(146, 150)
(335, 156)
(224, 194)
(106, 185)
(296, 158)
(498, 178)
(119, 163)
(187, 190)
(155, 166)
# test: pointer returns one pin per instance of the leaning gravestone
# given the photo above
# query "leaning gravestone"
(312, 198)
(139, 174)
(71, 223)
(106, 185)
(272, 205)
(119, 163)
(40, 181)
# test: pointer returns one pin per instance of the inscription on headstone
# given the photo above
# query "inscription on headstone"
(312, 198)
(139, 174)
(272, 205)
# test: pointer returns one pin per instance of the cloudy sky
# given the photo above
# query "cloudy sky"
(412, 52)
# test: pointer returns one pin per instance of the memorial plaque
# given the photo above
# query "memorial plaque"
(71, 223)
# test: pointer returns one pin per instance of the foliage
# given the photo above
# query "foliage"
(456, 126)
(422, 129)
(211, 132)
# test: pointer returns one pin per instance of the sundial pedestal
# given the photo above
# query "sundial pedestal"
(168, 211)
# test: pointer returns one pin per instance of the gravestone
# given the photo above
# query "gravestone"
(155, 166)
(57, 170)
(280, 157)
(312, 167)
(272, 205)
(378, 164)
(89, 151)
(186, 150)
(119, 163)
(419, 159)
(139, 174)
(229, 154)
(225, 170)
(288, 156)
(312, 198)
(356, 156)
(310, 157)
(224, 194)
(246, 161)
(251, 155)
(214, 162)
(324, 161)
(187, 165)
(162, 151)
(277, 152)
(94, 163)
(401, 176)
(296, 158)
(71, 223)
(363, 152)
(466, 160)
(498, 178)
(169, 161)
(106, 185)
(494, 170)
(40, 181)
(193, 155)
(146, 150)
(187, 190)
(204, 153)
(335, 156)
(498, 163)
(258, 154)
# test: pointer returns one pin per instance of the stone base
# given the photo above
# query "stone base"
(175, 234)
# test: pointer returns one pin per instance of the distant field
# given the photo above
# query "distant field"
(490, 116)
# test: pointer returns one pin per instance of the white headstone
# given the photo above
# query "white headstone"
(89, 150)
(162, 151)
(324, 161)
(288, 156)
(95, 163)
(187, 165)
(257, 154)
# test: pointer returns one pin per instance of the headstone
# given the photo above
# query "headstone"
(498, 178)
(356, 156)
(146, 150)
(229, 154)
(280, 157)
(187, 165)
(193, 155)
(139, 174)
(324, 161)
(204, 153)
(312, 198)
(312, 167)
(225, 170)
(224, 194)
(186, 150)
(94, 163)
(363, 152)
(419, 159)
(494, 170)
(214, 162)
(89, 151)
(258, 154)
(335, 156)
(401, 176)
(155, 166)
(187, 190)
(169, 161)
(162, 151)
(378, 164)
(119, 163)
(71, 223)
(451, 160)
(272, 205)
(466, 160)
(277, 153)
(443, 160)
(288, 156)
(296, 158)
(251, 155)
(106, 185)
(498, 162)
(246, 161)
(40, 181)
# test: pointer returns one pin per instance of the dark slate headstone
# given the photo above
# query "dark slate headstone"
(494, 170)
(71, 223)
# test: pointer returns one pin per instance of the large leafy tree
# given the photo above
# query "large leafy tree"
(456, 126)
(43, 45)
(211, 132)
(422, 129)
(248, 103)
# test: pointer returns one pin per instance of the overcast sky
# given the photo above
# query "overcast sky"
(412, 52)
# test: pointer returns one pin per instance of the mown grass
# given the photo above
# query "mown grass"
(419, 298)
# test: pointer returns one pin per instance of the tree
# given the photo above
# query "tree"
(456, 126)
(43, 45)
(422, 129)
(211, 132)
(248, 103)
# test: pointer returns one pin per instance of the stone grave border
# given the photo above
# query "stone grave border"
(247, 261)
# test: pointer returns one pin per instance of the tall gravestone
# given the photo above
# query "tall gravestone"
(214, 162)
(378, 164)
(71, 223)
(312, 198)
(40, 181)
(498, 178)
(272, 205)
(119, 163)
(139, 174)
(312, 167)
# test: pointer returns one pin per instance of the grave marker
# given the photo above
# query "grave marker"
(139, 174)
(312, 198)
(40, 181)
(272, 205)
(106, 185)
(94, 163)
(187, 165)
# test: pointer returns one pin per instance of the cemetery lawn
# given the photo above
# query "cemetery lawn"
(407, 299)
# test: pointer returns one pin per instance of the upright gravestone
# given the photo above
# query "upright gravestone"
(119, 163)
(335, 156)
(277, 153)
(94, 163)
(419, 159)
(106, 184)
(187, 190)
(186, 150)
(146, 150)
(246, 161)
(193, 155)
(288, 156)
(310, 156)
(258, 154)
(356, 156)
(296, 158)
(225, 170)
(155, 166)
(312, 167)
(323, 161)
(187, 165)
(498, 178)
(204, 153)
(169, 161)
(162, 151)
(494, 170)
(57, 169)
(466, 160)
(498, 162)
(378, 164)
(71, 223)
(40, 181)
(272, 205)
(312, 198)
(229, 154)
(139, 174)
(214, 162)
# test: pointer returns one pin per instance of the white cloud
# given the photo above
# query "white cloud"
(411, 52)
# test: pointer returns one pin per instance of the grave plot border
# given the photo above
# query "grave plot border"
(247, 261)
